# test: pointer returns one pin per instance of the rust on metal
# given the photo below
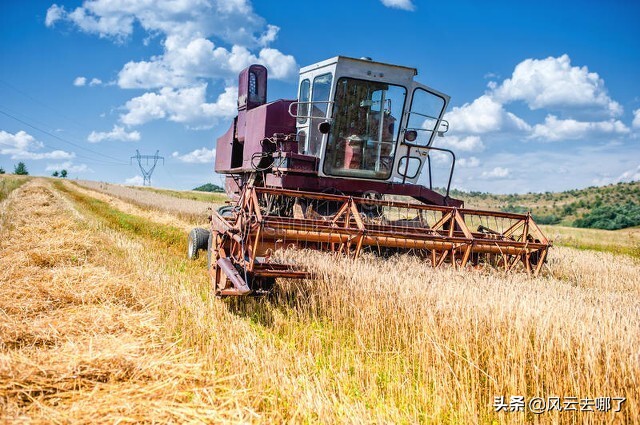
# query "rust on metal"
(264, 221)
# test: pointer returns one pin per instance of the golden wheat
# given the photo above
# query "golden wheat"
(80, 341)
(371, 340)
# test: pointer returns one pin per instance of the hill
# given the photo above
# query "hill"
(209, 187)
(609, 207)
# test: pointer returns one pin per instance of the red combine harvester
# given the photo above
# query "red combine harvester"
(326, 172)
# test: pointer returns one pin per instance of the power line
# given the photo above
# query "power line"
(77, 124)
(119, 161)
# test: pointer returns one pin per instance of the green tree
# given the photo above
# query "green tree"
(1, 170)
(611, 217)
(63, 174)
(20, 169)
(55, 174)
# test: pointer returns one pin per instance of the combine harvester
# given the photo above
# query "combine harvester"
(326, 172)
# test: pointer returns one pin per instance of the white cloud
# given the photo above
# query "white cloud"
(70, 167)
(116, 134)
(22, 145)
(186, 25)
(626, 176)
(461, 144)
(269, 36)
(95, 82)
(484, 115)
(630, 175)
(186, 30)
(496, 173)
(553, 83)
(79, 81)
(636, 119)
(186, 61)
(198, 156)
(54, 14)
(555, 129)
(187, 105)
(399, 4)
(471, 162)
(134, 181)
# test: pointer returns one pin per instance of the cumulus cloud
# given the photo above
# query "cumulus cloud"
(626, 176)
(187, 105)
(496, 173)
(554, 129)
(555, 83)
(186, 61)
(198, 156)
(187, 27)
(461, 144)
(70, 167)
(399, 4)
(116, 134)
(186, 30)
(484, 115)
(95, 82)
(54, 14)
(470, 162)
(636, 119)
(134, 181)
(22, 145)
(79, 81)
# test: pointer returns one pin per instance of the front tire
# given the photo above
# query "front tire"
(198, 240)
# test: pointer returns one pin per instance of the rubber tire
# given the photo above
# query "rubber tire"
(209, 251)
(198, 240)
(226, 210)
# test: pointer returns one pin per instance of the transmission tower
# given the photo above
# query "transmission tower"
(146, 172)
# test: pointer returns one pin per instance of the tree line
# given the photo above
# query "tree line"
(20, 169)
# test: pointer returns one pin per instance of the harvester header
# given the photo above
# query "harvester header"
(325, 171)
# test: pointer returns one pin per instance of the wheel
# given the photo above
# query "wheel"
(198, 240)
(209, 244)
(226, 210)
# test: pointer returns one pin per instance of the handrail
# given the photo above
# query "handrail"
(310, 103)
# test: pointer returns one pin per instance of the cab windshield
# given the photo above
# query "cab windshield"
(366, 121)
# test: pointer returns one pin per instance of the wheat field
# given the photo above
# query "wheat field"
(104, 320)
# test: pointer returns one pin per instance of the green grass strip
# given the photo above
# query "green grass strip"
(168, 237)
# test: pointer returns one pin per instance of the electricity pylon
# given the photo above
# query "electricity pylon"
(146, 172)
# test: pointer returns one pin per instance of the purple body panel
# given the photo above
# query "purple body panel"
(224, 148)
(263, 122)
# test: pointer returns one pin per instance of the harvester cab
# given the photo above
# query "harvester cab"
(358, 126)
(374, 123)
(326, 171)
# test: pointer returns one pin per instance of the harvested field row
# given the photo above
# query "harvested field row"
(186, 209)
(80, 338)
(150, 214)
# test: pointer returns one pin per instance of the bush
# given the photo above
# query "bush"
(547, 219)
(518, 209)
(611, 217)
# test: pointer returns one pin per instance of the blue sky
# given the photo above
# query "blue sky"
(545, 95)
